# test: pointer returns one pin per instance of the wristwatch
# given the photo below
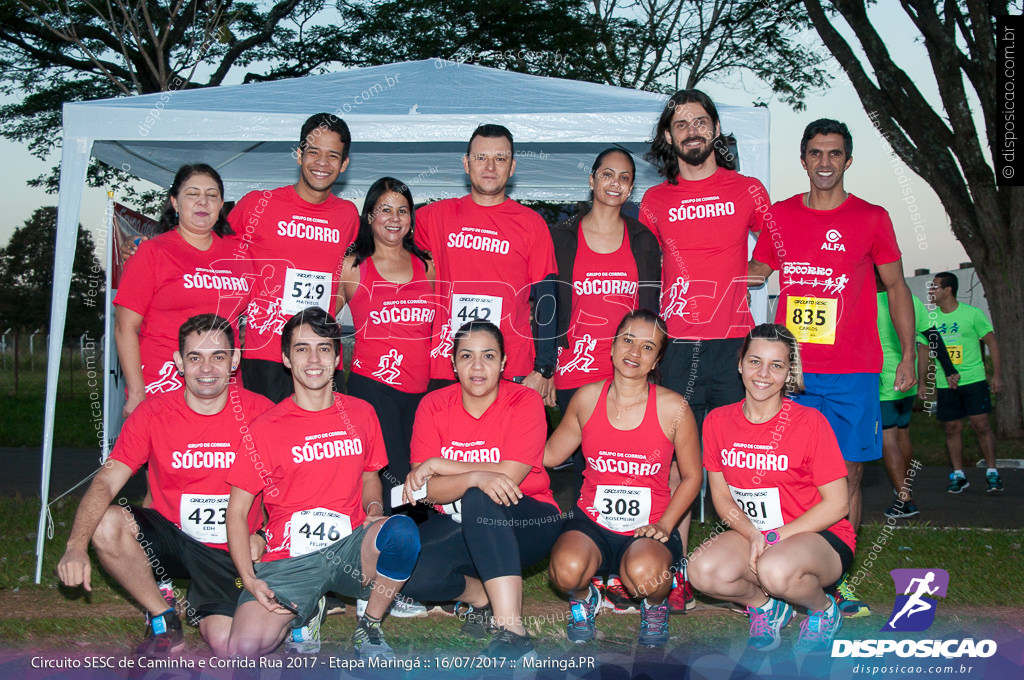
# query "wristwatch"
(545, 371)
(772, 537)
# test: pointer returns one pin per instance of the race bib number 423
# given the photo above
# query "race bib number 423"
(761, 506)
(812, 319)
(304, 288)
(203, 517)
(466, 308)
(623, 508)
(316, 529)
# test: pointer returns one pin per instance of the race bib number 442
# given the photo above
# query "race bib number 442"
(316, 529)
(812, 319)
(466, 308)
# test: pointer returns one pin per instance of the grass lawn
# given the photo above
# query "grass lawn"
(985, 591)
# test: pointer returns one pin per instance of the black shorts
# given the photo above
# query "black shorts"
(966, 400)
(896, 412)
(845, 554)
(614, 545)
(704, 372)
(214, 585)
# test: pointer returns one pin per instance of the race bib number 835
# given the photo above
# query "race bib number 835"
(812, 319)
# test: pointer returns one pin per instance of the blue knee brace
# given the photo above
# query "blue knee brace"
(399, 544)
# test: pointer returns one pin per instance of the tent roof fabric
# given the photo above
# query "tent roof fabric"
(410, 120)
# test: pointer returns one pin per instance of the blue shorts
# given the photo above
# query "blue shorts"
(849, 401)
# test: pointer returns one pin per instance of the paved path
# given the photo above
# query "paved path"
(974, 507)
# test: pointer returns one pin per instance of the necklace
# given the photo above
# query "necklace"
(619, 409)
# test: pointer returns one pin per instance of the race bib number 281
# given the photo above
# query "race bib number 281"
(761, 506)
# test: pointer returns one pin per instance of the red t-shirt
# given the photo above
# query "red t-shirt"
(189, 456)
(702, 227)
(604, 289)
(168, 281)
(393, 323)
(625, 483)
(774, 469)
(309, 466)
(512, 428)
(297, 249)
(827, 295)
(487, 257)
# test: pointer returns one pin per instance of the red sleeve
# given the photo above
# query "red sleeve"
(426, 438)
(762, 204)
(764, 250)
(525, 440)
(133, 446)
(712, 451)
(422, 235)
(647, 217)
(542, 255)
(236, 218)
(376, 456)
(826, 459)
(350, 224)
(138, 283)
(884, 249)
(243, 472)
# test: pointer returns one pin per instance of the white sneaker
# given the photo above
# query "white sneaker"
(401, 608)
(306, 639)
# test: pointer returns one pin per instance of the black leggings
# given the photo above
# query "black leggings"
(492, 541)
(396, 411)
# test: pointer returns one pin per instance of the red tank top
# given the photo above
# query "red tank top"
(604, 289)
(625, 483)
(393, 323)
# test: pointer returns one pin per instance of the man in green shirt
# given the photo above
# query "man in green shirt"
(896, 407)
(964, 328)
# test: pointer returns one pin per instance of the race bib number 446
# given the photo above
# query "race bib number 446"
(203, 517)
(316, 529)
(812, 319)
(761, 506)
(304, 288)
(622, 508)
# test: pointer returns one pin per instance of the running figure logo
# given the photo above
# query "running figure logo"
(676, 302)
(444, 343)
(583, 357)
(914, 610)
(169, 380)
(388, 368)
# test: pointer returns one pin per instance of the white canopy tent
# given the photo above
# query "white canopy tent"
(410, 120)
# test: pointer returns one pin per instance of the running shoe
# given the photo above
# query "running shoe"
(848, 604)
(401, 608)
(767, 622)
(369, 641)
(306, 639)
(819, 629)
(957, 483)
(581, 626)
(995, 483)
(653, 624)
(902, 509)
(617, 598)
(507, 645)
(681, 598)
(164, 635)
(478, 623)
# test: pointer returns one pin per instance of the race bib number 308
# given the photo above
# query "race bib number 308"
(203, 517)
(812, 319)
(761, 506)
(315, 529)
(623, 508)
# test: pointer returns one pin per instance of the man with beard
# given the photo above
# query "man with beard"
(701, 214)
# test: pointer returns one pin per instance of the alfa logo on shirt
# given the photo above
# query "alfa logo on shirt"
(832, 239)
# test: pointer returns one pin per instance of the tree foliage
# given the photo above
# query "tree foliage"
(946, 147)
(26, 278)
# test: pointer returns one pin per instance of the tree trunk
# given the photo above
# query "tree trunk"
(1005, 295)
